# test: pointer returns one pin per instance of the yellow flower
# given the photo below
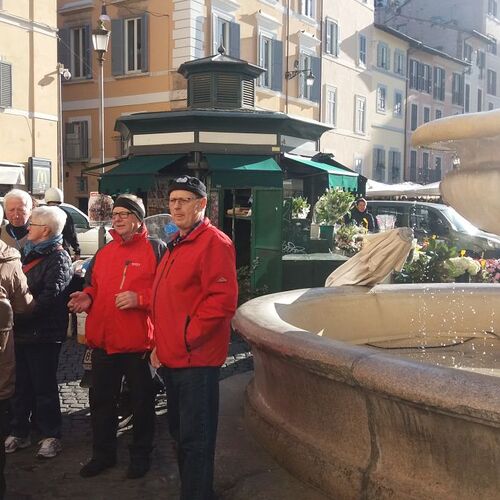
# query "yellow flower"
(483, 263)
(462, 253)
(434, 236)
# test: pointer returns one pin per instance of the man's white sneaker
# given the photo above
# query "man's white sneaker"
(49, 448)
(13, 443)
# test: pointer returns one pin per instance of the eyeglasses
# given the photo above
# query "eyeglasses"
(120, 215)
(180, 201)
(36, 225)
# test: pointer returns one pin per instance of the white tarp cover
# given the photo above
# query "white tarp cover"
(11, 174)
(375, 189)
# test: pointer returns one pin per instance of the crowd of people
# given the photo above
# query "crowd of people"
(150, 307)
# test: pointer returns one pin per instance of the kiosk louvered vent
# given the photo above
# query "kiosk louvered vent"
(248, 93)
(227, 91)
(200, 95)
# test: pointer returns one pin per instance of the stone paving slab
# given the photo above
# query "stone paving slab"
(243, 469)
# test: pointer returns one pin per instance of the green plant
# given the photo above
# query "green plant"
(300, 207)
(332, 206)
(427, 264)
(349, 238)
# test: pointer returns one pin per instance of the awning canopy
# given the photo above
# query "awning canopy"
(135, 174)
(238, 171)
(376, 189)
(11, 174)
(337, 177)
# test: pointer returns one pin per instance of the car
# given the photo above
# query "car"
(427, 219)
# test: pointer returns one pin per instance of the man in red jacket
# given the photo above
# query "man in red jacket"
(194, 298)
(120, 331)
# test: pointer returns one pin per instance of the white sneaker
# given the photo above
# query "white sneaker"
(13, 443)
(49, 448)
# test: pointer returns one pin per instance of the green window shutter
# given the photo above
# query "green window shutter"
(117, 47)
(234, 40)
(277, 65)
(87, 51)
(63, 47)
(5, 85)
(145, 42)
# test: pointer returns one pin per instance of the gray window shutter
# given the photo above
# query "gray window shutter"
(145, 42)
(234, 40)
(117, 47)
(87, 50)
(63, 47)
(277, 65)
(316, 70)
(84, 140)
(379, 55)
(5, 85)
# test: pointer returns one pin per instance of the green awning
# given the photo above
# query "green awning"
(337, 177)
(242, 171)
(135, 174)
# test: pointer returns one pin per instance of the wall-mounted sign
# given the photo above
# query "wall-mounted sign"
(39, 174)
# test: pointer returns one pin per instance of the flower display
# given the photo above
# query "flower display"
(490, 270)
(461, 265)
(349, 238)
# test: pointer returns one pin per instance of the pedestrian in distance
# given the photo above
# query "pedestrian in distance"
(38, 335)
(194, 298)
(14, 297)
(18, 205)
(360, 216)
(120, 332)
(54, 197)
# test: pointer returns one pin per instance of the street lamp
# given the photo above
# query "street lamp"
(100, 40)
(289, 75)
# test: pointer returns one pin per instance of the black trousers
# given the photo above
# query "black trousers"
(107, 373)
(4, 429)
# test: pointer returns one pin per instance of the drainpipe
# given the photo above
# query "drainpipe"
(320, 102)
(407, 108)
(287, 54)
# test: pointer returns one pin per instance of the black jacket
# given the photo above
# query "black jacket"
(69, 234)
(364, 219)
(48, 282)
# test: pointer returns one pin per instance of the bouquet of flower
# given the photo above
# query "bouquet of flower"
(349, 238)
(461, 265)
(491, 270)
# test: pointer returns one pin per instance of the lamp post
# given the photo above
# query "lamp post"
(289, 75)
(100, 40)
(62, 73)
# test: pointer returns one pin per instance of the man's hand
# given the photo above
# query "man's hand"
(153, 359)
(126, 300)
(79, 302)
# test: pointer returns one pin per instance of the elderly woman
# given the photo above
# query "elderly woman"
(38, 335)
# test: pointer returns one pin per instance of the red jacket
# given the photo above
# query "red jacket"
(194, 298)
(118, 267)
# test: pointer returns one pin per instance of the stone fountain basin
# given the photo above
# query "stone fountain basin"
(359, 423)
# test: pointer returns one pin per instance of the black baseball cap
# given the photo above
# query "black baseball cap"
(188, 183)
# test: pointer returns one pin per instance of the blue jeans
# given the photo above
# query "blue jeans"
(36, 396)
(193, 411)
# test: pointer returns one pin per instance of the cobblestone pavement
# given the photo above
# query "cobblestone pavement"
(34, 479)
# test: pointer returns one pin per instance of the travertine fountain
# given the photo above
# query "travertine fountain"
(391, 391)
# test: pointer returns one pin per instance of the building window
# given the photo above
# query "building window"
(479, 100)
(266, 60)
(331, 106)
(398, 104)
(425, 168)
(358, 165)
(381, 98)
(426, 85)
(78, 50)
(427, 114)
(221, 34)
(481, 63)
(467, 97)
(399, 62)
(307, 8)
(439, 82)
(438, 161)
(457, 89)
(383, 56)
(77, 141)
(491, 86)
(82, 185)
(492, 7)
(332, 38)
(360, 115)
(467, 52)
(439, 114)
(133, 53)
(362, 50)
(414, 116)
(305, 90)
(413, 166)
(492, 45)
(490, 106)
(5, 85)
(413, 74)
(379, 164)
(394, 167)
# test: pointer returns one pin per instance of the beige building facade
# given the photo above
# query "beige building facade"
(29, 83)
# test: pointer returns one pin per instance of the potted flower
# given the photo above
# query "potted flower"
(462, 268)
(300, 207)
(331, 208)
